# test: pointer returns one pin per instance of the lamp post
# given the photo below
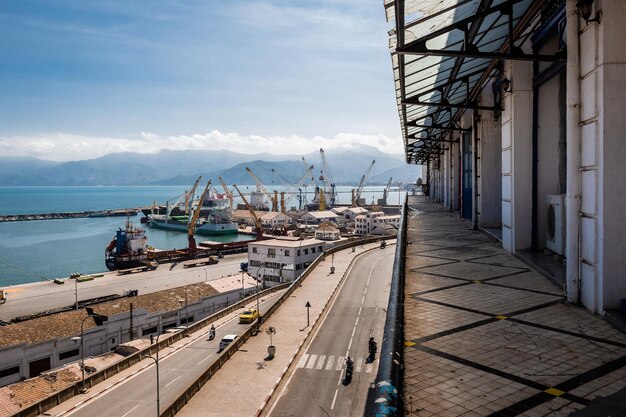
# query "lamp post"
(76, 293)
(98, 319)
(156, 362)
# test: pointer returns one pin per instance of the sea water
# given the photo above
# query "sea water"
(37, 250)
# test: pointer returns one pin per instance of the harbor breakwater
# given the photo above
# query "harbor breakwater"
(68, 215)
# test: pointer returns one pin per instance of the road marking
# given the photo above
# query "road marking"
(340, 361)
(320, 362)
(133, 409)
(311, 362)
(205, 359)
(359, 313)
(369, 367)
(329, 364)
(174, 380)
(302, 360)
(363, 299)
(334, 399)
(358, 366)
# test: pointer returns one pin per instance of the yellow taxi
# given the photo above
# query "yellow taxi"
(248, 315)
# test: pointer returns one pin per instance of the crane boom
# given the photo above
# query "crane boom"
(263, 188)
(191, 193)
(362, 183)
(191, 226)
(257, 221)
(229, 193)
(386, 192)
(327, 178)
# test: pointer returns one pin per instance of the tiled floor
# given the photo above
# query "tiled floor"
(488, 336)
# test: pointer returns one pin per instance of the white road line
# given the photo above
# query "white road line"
(356, 322)
(340, 361)
(329, 364)
(363, 299)
(174, 380)
(320, 362)
(311, 362)
(359, 313)
(205, 359)
(357, 367)
(353, 331)
(334, 399)
(302, 361)
(133, 409)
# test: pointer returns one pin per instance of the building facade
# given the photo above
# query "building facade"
(526, 140)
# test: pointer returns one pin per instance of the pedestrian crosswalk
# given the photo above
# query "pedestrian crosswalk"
(333, 363)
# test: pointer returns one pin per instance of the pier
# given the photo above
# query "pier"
(69, 215)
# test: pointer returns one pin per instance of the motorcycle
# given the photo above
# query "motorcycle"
(372, 350)
(349, 368)
(212, 333)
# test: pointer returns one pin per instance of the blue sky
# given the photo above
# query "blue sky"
(79, 79)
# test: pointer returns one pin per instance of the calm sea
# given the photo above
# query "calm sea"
(31, 251)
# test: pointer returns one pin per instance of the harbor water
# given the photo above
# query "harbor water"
(38, 250)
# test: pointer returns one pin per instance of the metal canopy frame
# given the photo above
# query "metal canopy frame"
(445, 57)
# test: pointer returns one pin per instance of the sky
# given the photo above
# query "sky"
(81, 79)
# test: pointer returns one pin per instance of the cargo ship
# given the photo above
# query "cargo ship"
(127, 249)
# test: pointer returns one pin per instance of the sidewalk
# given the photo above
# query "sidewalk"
(245, 383)
(488, 336)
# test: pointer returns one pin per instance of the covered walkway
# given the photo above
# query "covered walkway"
(487, 335)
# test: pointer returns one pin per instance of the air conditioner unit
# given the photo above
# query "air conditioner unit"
(555, 219)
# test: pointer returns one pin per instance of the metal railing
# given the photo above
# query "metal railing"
(387, 398)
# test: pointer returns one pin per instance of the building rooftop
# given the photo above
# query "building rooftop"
(322, 214)
(288, 243)
(357, 210)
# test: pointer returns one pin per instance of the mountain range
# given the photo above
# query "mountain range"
(168, 167)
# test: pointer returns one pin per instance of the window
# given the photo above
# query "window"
(306, 251)
(254, 262)
(69, 354)
(9, 371)
(149, 330)
(319, 248)
(287, 253)
(271, 252)
(298, 252)
(254, 249)
(313, 250)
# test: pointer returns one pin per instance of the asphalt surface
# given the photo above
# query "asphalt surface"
(41, 296)
(316, 386)
(178, 369)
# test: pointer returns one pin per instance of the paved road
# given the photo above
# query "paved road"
(315, 387)
(42, 296)
(179, 367)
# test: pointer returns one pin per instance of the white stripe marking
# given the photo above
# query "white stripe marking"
(311, 363)
(320, 362)
(174, 380)
(302, 360)
(329, 364)
(133, 409)
(334, 399)
(205, 359)
(359, 363)
(340, 361)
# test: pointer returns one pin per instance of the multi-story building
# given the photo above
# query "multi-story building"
(317, 217)
(385, 225)
(283, 259)
(363, 224)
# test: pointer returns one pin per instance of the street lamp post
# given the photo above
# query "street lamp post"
(76, 292)
(98, 319)
(156, 362)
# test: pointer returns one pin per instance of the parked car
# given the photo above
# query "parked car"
(248, 315)
(226, 340)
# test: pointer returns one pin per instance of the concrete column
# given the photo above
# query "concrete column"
(611, 89)
(517, 158)
(490, 170)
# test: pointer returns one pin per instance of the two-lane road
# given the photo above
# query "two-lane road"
(315, 387)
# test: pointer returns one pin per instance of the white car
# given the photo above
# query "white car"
(226, 340)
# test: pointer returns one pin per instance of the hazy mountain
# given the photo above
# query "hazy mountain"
(166, 167)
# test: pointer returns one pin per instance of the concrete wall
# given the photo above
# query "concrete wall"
(489, 134)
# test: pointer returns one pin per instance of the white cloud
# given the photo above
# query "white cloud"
(68, 147)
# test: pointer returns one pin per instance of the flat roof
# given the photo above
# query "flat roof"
(288, 243)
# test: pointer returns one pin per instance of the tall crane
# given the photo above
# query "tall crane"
(257, 221)
(190, 194)
(386, 192)
(359, 190)
(310, 178)
(327, 178)
(264, 189)
(292, 189)
(228, 192)
(191, 226)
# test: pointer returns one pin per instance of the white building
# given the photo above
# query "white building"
(275, 219)
(327, 231)
(339, 210)
(245, 217)
(364, 223)
(282, 260)
(523, 134)
(351, 212)
(385, 225)
(317, 217)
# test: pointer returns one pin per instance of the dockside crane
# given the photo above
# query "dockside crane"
(386, 192)
(257, 221)
(329, 185)
(191, 226)
(190, 194)
(228, 192)
(292, 189)
(310, 179)
(264, 189)
(357, 195)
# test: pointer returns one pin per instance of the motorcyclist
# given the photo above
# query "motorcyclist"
(212, 332)
(349, 364)
(372, 345)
